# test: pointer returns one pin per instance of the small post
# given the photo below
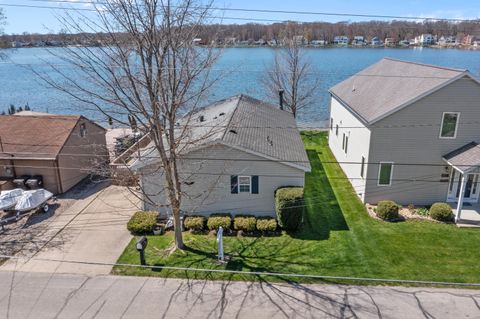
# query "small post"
(141, 245)
(280, 95)
(461, 197)
(221, 256)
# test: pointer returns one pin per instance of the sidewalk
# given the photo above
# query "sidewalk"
(38, 295)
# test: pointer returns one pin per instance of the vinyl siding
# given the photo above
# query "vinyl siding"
(45, 168)
(358, 145)
(81, 156)
(211, 192)
(411, 135)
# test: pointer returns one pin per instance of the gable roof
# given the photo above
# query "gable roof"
(389, 85)
(35, 136)
(465, 158)
(244, 123)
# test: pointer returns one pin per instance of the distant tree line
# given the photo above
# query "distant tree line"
(12, 109)
(398, 30)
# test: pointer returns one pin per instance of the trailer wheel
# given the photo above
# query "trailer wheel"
(45, 208)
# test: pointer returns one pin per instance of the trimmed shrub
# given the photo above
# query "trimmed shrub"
(387, 210)
(289, 207)
(441, 212)
(266, 224)
(244, 223)
(216, 220)
(196, 223)
(142, 223)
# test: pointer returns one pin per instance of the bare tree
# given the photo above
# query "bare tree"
(293, 73)
(146, 69)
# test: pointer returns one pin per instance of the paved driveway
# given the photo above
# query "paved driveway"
(93, 229)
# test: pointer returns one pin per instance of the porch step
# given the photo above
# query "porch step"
(468, 223)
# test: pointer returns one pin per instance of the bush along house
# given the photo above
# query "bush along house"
(409, 132)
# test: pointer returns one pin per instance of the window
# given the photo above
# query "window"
(346, 143)
(331, 124)
(362, 167)
(449, 125)
(343, 142)
(336, 130)
(83, 130)
(385, 174)
(244, 184)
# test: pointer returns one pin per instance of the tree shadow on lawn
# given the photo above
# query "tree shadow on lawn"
(322, 213)
(248, 255)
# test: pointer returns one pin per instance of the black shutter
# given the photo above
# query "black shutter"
(254, 184)
(234, 184)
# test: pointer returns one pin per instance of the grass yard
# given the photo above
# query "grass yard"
(337, 239)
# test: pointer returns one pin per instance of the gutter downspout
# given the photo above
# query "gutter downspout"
(57, 175)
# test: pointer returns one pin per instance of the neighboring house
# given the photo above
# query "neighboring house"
(358, 40)
(319, 42)
(62, 149)
(376, 41)
(341, 40)
(238, 152)
(390, 42)
(447, 41)
(400, 131)
(425, 39)
(468, 39)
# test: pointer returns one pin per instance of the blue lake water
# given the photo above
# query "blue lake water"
(242, 70)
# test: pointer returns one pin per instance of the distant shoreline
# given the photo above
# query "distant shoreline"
(459, 47)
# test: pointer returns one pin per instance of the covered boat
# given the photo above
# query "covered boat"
(9, 198)
(33, 199)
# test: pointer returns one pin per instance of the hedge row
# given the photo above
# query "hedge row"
(244, 223)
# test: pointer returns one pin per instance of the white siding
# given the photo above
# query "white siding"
(211, 192)
(358, 144)
(411, 136)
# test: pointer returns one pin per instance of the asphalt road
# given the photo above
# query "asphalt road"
(43, 295)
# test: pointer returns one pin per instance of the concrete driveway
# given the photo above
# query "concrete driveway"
(93, 229)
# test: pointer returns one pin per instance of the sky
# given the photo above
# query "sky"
(39, 20)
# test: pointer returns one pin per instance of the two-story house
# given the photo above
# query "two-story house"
(408, 132)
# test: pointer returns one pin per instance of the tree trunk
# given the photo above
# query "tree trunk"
(177, 225)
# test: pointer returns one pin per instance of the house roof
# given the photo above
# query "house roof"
(244, 123)
(389, 85)
(35, 136)
(465, 158)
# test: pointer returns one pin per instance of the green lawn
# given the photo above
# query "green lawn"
(337, 239)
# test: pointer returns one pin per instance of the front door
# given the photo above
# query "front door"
(471, 187)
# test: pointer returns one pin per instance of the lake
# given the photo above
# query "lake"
(242, 70)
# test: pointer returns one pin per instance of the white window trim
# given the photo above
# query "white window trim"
(456, 126)
(391, 174)
(250, 183)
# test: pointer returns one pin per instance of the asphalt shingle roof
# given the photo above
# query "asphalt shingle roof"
(389, 84)
(466, 157)
(39, 136)
(244, 122)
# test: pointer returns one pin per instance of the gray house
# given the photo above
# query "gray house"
(234, 155)
(408, 132)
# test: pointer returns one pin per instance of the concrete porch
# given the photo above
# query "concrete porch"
(470, 214)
